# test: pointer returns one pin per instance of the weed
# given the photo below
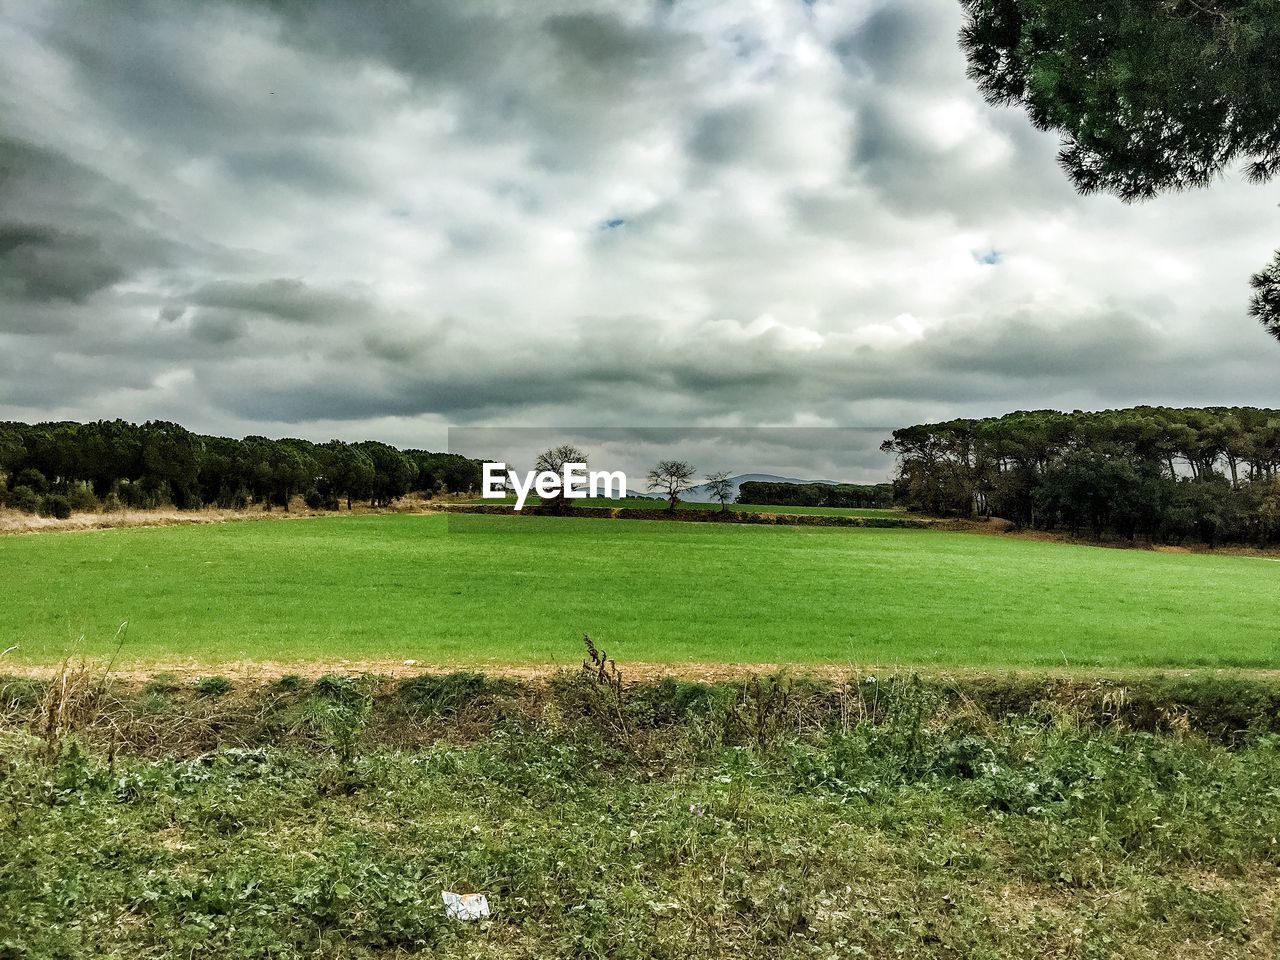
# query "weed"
(163, 683)
(71, 700)
(339, 711)
(445, 695)
(601, 672)
(343, 689)
(214, 686)
(18, 694)
(762, 713)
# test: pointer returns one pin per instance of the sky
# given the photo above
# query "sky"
(381, 221)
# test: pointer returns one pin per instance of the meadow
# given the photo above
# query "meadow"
(487, 590)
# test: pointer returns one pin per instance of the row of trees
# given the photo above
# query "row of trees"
(1163, 474)
(115, 463)
(869, 495)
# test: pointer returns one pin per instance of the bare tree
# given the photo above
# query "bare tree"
(720, 487)
(553, 461)
(672, 477)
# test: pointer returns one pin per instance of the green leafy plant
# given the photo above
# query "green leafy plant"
(339, 711)
(214, 686)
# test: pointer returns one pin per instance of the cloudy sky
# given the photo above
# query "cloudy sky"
(329, 220)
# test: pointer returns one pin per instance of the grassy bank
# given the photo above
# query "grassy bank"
(477, 590)
(773, 818)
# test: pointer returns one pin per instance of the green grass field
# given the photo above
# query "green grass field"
(475, 590)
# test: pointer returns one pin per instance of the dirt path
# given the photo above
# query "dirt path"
(265, 671)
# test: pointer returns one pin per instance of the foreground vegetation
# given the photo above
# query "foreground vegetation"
(776, 818)
(514, 590)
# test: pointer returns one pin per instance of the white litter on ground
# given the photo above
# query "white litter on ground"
(465, 906)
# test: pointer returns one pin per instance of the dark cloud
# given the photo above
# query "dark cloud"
(284, 299)
(218, 327)
(66, 231)
(199, 75)
(39, 262)
(606, 45)
(732, 133)
(886, 44)
(922, 152)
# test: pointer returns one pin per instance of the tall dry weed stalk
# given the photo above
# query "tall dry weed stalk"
(602, 669)
(74, 697)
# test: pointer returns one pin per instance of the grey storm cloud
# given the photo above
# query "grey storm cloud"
(218, 327)
(282, 298)
(345, 219)
(39, 262)
(67, 231)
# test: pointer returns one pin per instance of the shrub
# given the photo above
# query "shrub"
(31, 478)
(444, 695)
(314, 499)
(343, 688)
(339, 712)
(82, 499)
(111, 503)
(213, 686)
(145, 494)
(55, 505)
(24, 499)
(672, 700)
(228, 499)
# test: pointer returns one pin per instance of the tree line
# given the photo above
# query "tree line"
(869, 495)
(1159, 473)
(55, 468)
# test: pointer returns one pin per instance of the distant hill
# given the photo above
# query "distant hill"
(702, 495)
(637, 495)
